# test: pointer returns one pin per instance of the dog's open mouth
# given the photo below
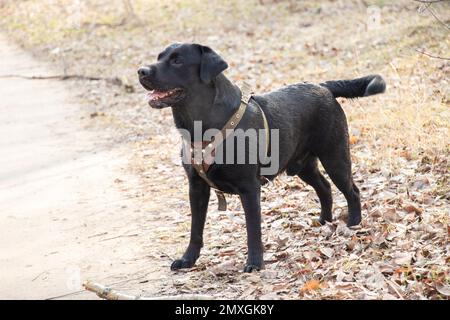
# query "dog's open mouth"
(155, 95)
(161, 99)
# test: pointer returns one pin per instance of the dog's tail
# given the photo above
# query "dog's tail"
(360, 87)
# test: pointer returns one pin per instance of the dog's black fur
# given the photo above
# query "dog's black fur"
(312, 126)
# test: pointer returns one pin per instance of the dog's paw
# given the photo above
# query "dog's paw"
(353, 222)
(317, 222)
(323, 220)
(181, 264)
(251, 267)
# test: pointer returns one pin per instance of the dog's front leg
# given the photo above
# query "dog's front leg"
(251, 203)
(199, 192)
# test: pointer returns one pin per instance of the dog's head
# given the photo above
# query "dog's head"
(179, 70)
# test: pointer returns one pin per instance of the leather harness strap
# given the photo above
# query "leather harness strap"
(203, 152)
(266, 129)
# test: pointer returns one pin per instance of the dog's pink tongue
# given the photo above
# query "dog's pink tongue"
(153, 95)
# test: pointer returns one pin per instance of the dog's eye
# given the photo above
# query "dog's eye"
(175, 61)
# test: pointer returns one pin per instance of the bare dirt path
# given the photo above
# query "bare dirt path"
(63, 217)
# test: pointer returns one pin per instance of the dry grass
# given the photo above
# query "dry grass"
(398, 139)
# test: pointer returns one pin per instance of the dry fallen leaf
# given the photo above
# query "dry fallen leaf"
(353, 139)
(376, 213)
(443, 289)
(328, 252)
(281, 241)
(402, 258)
(269, 274)
(224, 268)
(391, 215)
(412, 208)
(269, 296)
(311, 285)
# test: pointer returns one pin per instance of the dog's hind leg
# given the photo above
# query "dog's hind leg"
(337, 164)
(311, 175)
(250, 198)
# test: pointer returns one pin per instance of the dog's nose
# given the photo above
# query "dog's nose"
(144, 71)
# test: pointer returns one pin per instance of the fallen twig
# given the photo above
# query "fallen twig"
(114, 80)
(393, 286)
(97, 235)
(66, 295)
(431, 56)
(110, 294)
(40, 274)
(428, 7)
(430, 1)
(121, 236)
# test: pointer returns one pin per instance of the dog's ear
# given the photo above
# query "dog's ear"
(211, 64)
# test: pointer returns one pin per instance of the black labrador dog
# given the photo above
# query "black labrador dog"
(311, 123)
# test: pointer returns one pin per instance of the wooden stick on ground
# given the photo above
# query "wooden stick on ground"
(110, 294)
(114, 80)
